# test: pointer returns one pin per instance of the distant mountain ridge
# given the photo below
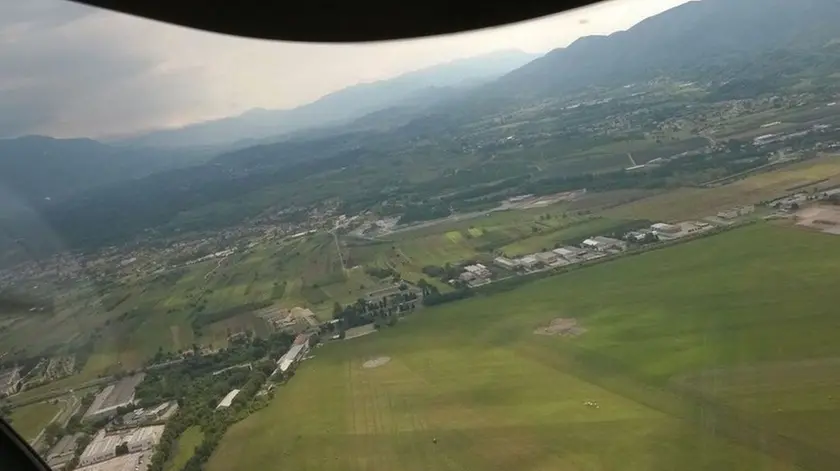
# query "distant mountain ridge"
(37, 168)
(713, 41)
(341, 106)
(697, 34)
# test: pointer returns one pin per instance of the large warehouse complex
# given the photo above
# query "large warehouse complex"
(130, 462)
(104, 445)
(112, 398)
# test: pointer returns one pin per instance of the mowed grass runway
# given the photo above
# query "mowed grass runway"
(667, 334)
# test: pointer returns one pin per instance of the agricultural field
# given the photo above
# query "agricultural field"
(652, 379)
(138, 318)
(698, 202)
(30, 420)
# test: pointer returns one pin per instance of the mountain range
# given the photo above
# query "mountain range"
(366, 128)
(679, 41)
(421, 87)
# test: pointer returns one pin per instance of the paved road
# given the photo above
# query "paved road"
(17, 401)
(338, 248)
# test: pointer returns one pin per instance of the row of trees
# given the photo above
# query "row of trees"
(379, 312)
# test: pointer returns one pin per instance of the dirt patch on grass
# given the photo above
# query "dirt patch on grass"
(563, 326)
(376, 362)
(823, 218)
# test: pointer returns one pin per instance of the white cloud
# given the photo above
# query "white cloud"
(69, 70)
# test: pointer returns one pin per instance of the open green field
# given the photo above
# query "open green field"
(668, 336)
(699, 202)
(185, 448)
(30, 420)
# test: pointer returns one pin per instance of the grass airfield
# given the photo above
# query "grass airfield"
(669, 337)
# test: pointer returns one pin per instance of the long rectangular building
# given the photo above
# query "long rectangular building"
(228, 400)
(113, 397)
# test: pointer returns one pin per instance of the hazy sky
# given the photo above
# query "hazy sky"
(70, 70)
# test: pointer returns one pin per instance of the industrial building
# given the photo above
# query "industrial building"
(228, 399)
(299, 349)
(130, 462)
(506, 263)
(569, 253)
(546, 257)
(103, 447)
(9, 382)
(604, 244)
(662, 228)
(478, 270)
(113, 397)
(63, 451)
(528, 261)
(144, 416)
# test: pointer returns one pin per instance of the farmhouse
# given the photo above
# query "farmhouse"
(106, 403)
(104, 446)
(9, 382)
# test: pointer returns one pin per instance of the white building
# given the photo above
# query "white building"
(661, 227)
(603, 244)
(228, 399)
(299, 349)
(765, 139)
(546, 257)
(104, 447)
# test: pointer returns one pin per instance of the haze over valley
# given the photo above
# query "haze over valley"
(615, 250)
